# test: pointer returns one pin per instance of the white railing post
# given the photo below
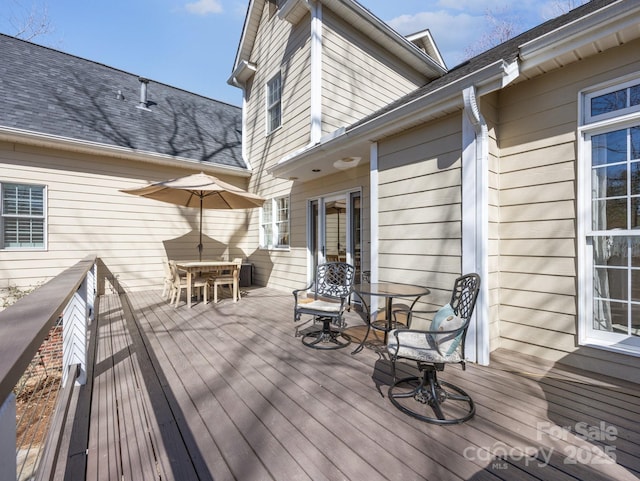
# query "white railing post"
(9, 470)
(75, 319)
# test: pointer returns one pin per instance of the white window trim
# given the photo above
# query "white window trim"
(590, 126)
(603, 90)
(45, 217)
(267, 108)
(274, 226)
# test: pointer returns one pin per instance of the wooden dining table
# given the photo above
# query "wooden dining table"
(194, 267)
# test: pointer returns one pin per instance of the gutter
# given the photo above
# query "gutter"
(26, 137)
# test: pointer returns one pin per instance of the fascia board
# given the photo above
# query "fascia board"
(249, 32)
(37, 139)
(243, 72)
(582, 31)
(429, 44)
(380, 32)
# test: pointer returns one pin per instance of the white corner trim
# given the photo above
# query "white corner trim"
(316, 72)
(374, 250)
(475, 215)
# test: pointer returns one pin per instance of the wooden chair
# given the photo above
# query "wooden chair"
(168, 279)
(331, 290)
(432, 345)
(226, 278)
(180, 282)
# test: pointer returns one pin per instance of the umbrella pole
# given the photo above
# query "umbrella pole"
(200, 244)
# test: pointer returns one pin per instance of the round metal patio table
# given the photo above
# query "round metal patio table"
(388, 291)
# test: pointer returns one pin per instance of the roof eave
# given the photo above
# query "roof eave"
(249, 32)
(609, 21)
(243, 72)
(38, 139)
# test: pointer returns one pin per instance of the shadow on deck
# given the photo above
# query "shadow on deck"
(227, 391)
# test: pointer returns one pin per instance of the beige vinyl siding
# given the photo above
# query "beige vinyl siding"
(419, 207)
(358, 77)
(538, 218)
(86, 214)
(279, 46)
(287, 270)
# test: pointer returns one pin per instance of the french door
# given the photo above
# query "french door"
(335, 230)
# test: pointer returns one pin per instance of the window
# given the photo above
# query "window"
(22, 218)
(610, 172)
(274, 104)
(274, 223)
(613, 102)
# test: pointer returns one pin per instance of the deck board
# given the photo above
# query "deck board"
(227, 391)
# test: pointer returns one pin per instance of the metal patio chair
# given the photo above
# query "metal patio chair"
(331, 290)
(432, 345)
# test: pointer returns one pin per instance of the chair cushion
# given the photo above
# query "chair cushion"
(419, 346)
(446, 320)
(320, 305)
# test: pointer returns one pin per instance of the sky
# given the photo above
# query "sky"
(192, 44)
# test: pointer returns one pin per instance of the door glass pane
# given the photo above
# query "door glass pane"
(336, 230)
(314, 234)
(356, 233)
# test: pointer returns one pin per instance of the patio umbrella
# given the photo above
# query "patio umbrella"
(199, 190)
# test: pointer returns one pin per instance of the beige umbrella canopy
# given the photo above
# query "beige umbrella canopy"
(199, 190)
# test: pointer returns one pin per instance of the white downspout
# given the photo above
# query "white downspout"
(245, 156)
(475, 220)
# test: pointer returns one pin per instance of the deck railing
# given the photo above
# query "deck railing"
(23, 328)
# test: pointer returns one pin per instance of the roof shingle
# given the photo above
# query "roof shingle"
(50, 92)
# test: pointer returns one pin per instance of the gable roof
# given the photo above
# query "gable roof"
(355, 15)
(587, 30)
(66, 101)
(507, 52)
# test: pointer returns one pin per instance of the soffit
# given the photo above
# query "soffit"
(600, 30)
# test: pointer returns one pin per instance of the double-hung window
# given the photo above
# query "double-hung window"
(22, 216)
(274, 103)
(610, 224)
(274, 223)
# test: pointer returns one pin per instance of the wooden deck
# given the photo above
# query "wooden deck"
(227, 391)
